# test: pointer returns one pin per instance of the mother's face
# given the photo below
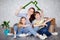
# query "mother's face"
(30, 11)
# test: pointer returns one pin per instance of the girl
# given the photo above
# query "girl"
(26, 28)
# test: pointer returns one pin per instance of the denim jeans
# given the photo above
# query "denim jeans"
(45, 30)
(27, 29)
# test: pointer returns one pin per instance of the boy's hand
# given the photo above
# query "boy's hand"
(44, 24)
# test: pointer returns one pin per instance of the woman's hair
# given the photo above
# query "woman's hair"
(32, 8)
(20, 22)
(37, 12)
(32, 17)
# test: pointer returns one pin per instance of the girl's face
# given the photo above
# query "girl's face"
(30, 11)
(23, 20)
(37, 16)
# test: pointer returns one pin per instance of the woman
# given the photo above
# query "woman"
(29, 15)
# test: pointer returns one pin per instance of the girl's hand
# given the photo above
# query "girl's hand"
(26, 25)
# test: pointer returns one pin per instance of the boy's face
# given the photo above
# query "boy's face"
(37, 16)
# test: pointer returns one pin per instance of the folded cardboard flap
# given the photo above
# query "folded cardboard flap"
(53, 22)
(52, 26)
(11, 30)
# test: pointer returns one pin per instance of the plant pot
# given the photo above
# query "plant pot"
(6, 31)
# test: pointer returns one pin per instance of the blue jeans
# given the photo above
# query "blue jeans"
(45, 29)
(27, 29)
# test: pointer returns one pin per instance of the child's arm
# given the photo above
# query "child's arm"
(35, 25)
(39, 25)
(47, 20)
(44, 24)
(20, 25)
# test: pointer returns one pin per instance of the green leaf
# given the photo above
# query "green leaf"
(2, 25)
(5, 24)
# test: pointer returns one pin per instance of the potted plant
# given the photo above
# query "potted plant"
(6, 25)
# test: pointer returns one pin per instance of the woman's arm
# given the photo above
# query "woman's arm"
(18, 10)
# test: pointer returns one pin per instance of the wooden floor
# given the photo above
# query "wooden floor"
(2, 37)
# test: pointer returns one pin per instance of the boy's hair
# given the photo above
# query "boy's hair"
(37, 12)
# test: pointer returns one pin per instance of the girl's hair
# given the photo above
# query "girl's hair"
(20, 22)
(32, 17)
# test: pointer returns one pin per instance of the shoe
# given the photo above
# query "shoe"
(22, 35)
(42, 37)
(14, 37)
(27, 34)
(10, 34)
(54, 33)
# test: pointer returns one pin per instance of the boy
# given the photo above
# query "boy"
(40, 24)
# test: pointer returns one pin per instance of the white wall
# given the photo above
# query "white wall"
(8, 7)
